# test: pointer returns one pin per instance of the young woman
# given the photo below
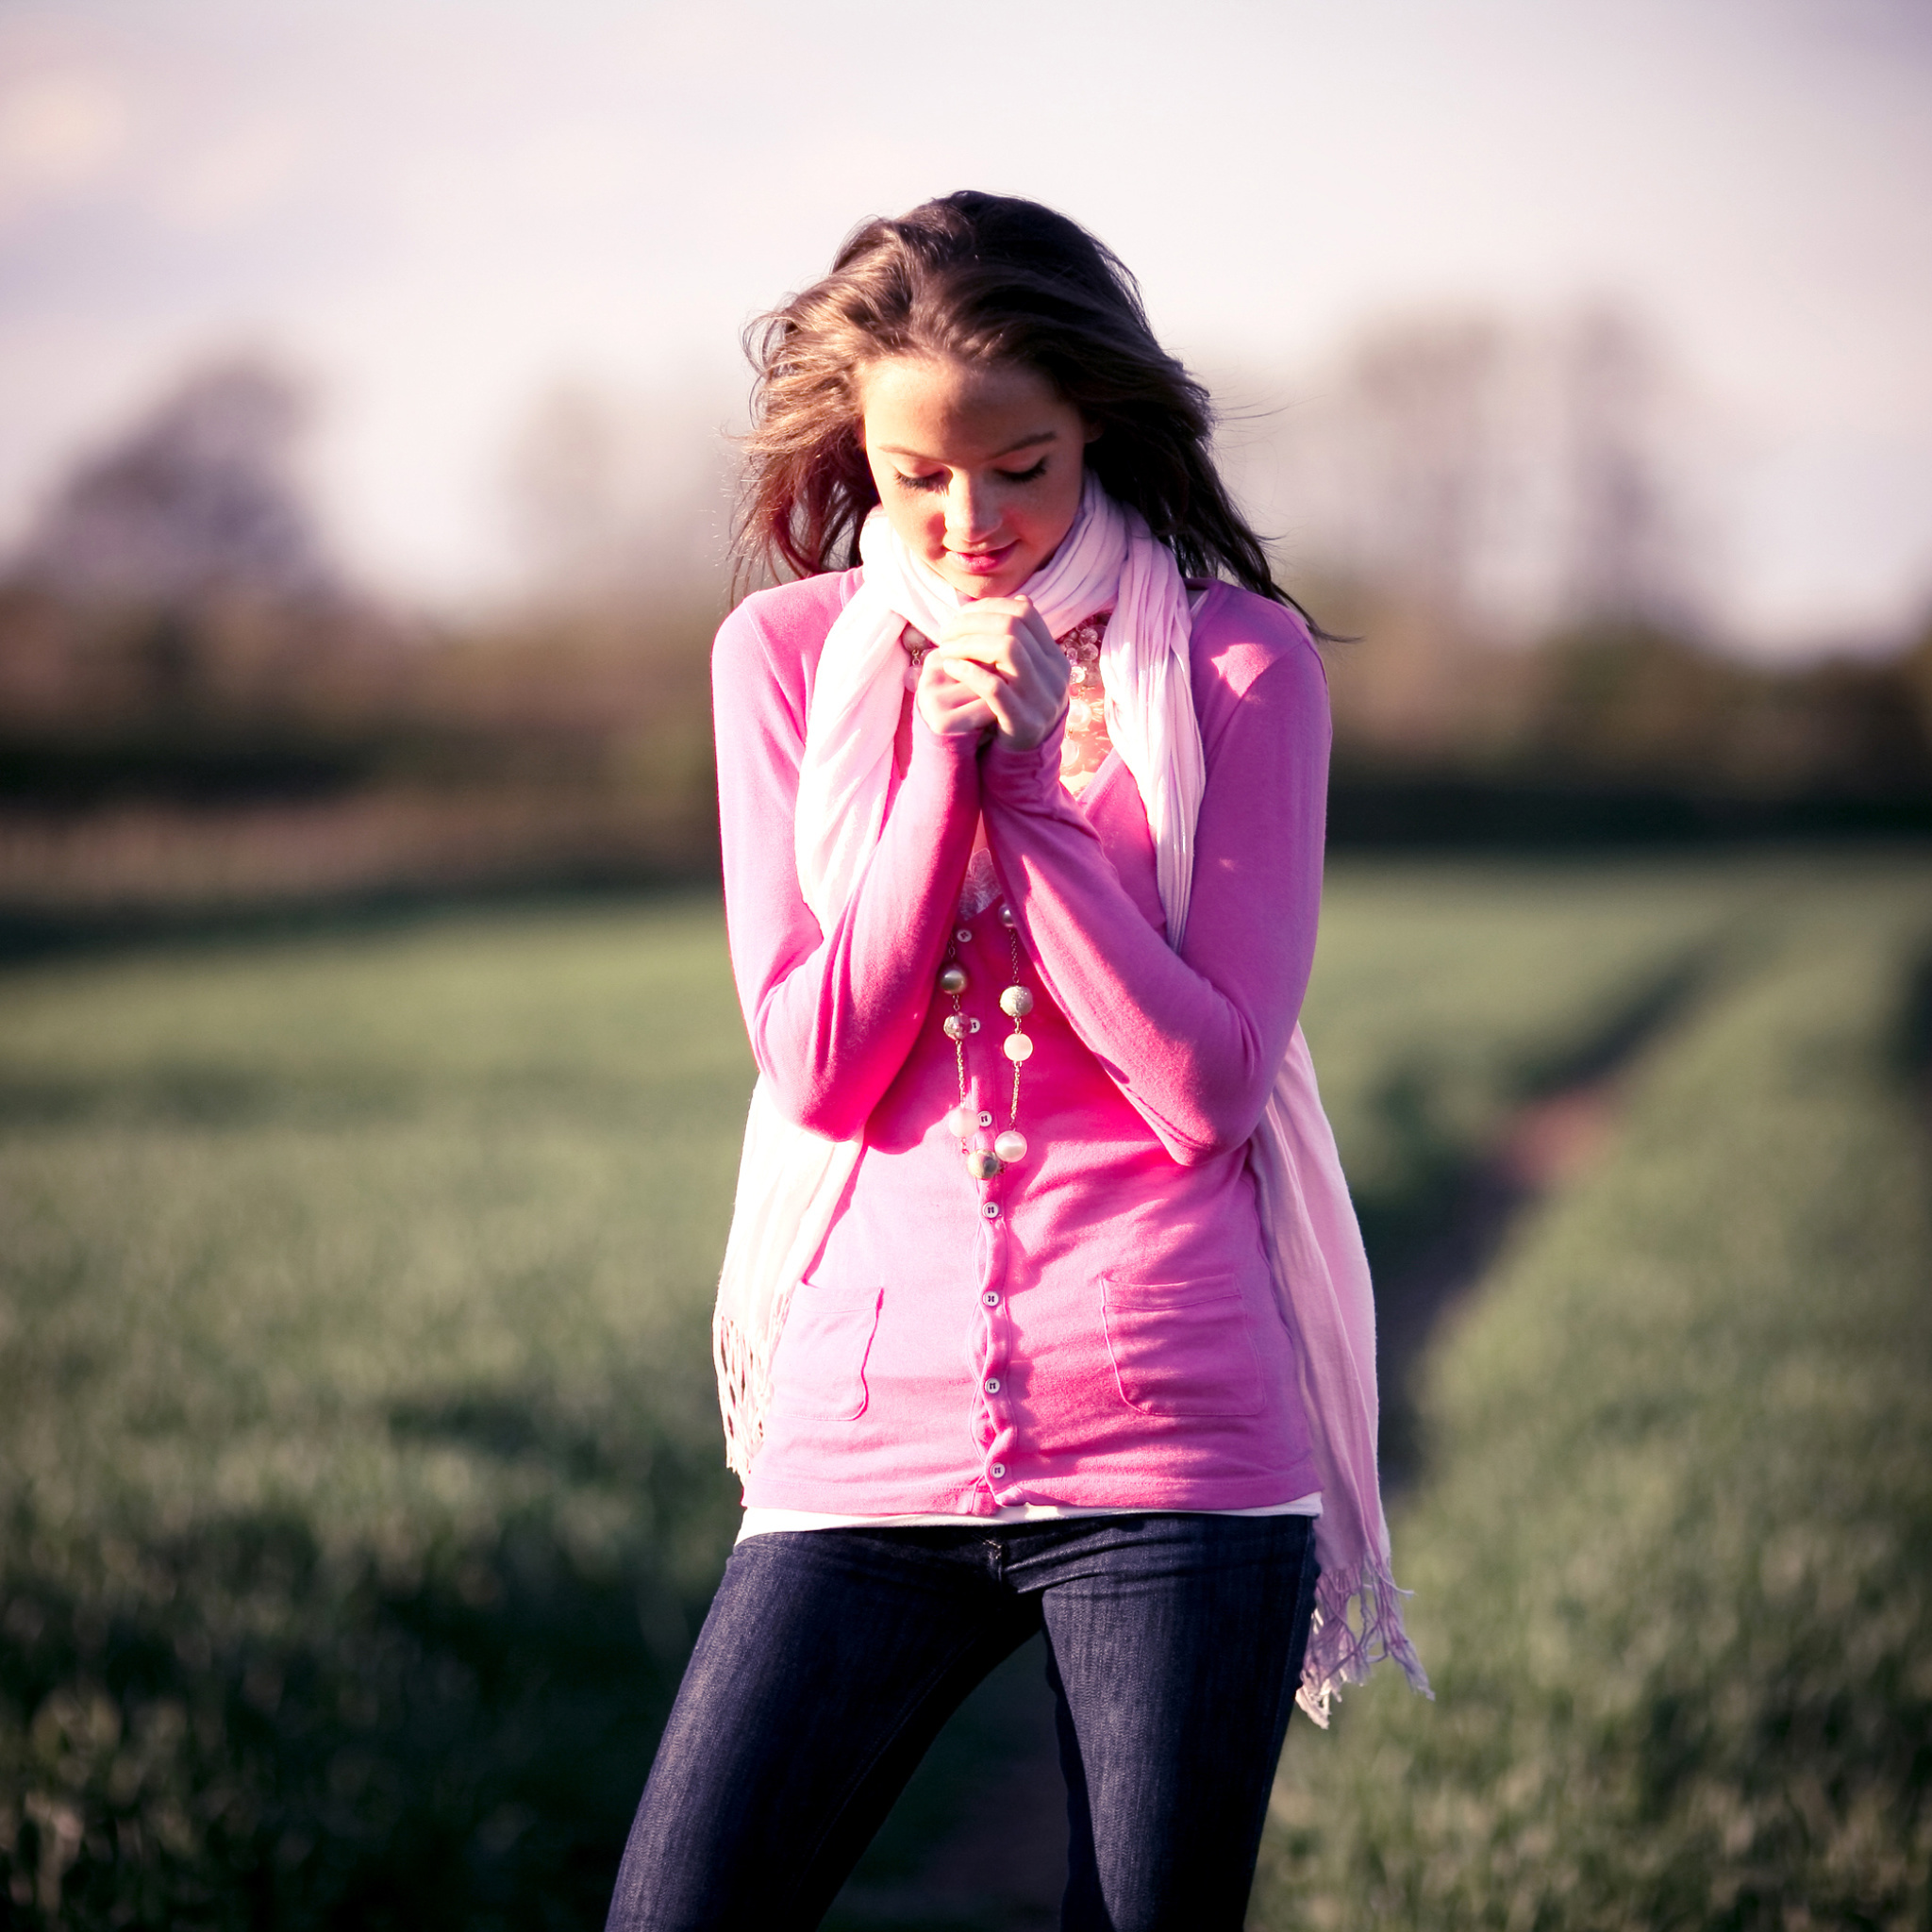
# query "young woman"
(1044, 1308)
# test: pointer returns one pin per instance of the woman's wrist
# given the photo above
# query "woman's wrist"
(961, 747)
(1026, 776)
(1007, 742)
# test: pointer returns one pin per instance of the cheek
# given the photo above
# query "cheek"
(1058, 517)
(910, 516)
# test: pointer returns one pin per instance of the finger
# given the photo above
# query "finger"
(995, 653)
(981, 634)
(1025, 714)
(1001, 636)
(938, 680)
(952, 712)
(1028, 695)
(1035, 625)
(1008, 614)
(1032, 672)
(992, 689)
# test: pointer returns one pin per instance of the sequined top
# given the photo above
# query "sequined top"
(1095, 1326)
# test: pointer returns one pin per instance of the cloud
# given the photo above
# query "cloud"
(238, 177)
(59, 134)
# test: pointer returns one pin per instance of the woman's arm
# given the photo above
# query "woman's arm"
(831, 1015)
(1192, 1038)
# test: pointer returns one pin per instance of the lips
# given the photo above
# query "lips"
(982, 563)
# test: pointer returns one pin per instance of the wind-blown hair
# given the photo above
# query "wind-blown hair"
(983, 278)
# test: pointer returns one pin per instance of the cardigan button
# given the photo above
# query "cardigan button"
(997, 1471)
(993, 1385)
(992, 1210)
(991, 1297)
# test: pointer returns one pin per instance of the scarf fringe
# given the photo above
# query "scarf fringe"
(1357, 1625)
(740, 1400)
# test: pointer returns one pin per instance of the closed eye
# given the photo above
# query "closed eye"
(936, 480)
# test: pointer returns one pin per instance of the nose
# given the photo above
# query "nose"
(972, 514)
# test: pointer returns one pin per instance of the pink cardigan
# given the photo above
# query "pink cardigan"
(1095, 1327)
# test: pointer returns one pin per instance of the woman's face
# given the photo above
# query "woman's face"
(979, 467)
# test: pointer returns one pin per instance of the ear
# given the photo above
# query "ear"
(1094, 431)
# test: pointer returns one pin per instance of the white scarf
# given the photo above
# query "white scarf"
(792, 1180)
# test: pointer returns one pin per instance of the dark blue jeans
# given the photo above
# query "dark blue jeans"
(831, 1658)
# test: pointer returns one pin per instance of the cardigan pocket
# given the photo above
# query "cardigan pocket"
(1182, 1348)
(820, 1369)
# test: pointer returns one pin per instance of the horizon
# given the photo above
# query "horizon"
(442, 211)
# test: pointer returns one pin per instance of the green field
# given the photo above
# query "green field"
(361, 1477)
(1674, 1554)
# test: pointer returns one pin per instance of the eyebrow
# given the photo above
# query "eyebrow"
(1039, 436)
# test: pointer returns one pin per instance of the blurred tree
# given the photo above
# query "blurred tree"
(1626, 537)
(565, 485)
(1418, 456)
(200, 497)
(616, 499)
(1503, 478)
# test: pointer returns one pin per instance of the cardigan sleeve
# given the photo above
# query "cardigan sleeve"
(831, 1015)
(1192, 1038)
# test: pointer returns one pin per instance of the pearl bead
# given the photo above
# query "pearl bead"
(952, 979)
(1016, 1046)
(960, 1123)
(1011, 1147)
(954, 1028)
(982, 1165)
(1009, 918)
(1017, 1001)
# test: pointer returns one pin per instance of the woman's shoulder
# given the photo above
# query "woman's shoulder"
(1237, 635)
(798, 610)
(775, 635)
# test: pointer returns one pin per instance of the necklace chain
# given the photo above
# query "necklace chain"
(1016, 1002)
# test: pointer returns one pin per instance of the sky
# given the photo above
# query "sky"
(438, 208)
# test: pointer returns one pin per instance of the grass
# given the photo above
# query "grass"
(361, 1484)
(1673, 1565)
(358, 1463)
(1444, 996)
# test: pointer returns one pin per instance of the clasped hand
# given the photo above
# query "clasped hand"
(995, 668)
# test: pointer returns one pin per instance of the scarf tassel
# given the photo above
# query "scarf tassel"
(1357, 1625)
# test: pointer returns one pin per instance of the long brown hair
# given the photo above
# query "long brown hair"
(982, 279)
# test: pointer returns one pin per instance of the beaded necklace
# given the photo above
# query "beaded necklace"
(1084, 749)
(1016, 1002)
